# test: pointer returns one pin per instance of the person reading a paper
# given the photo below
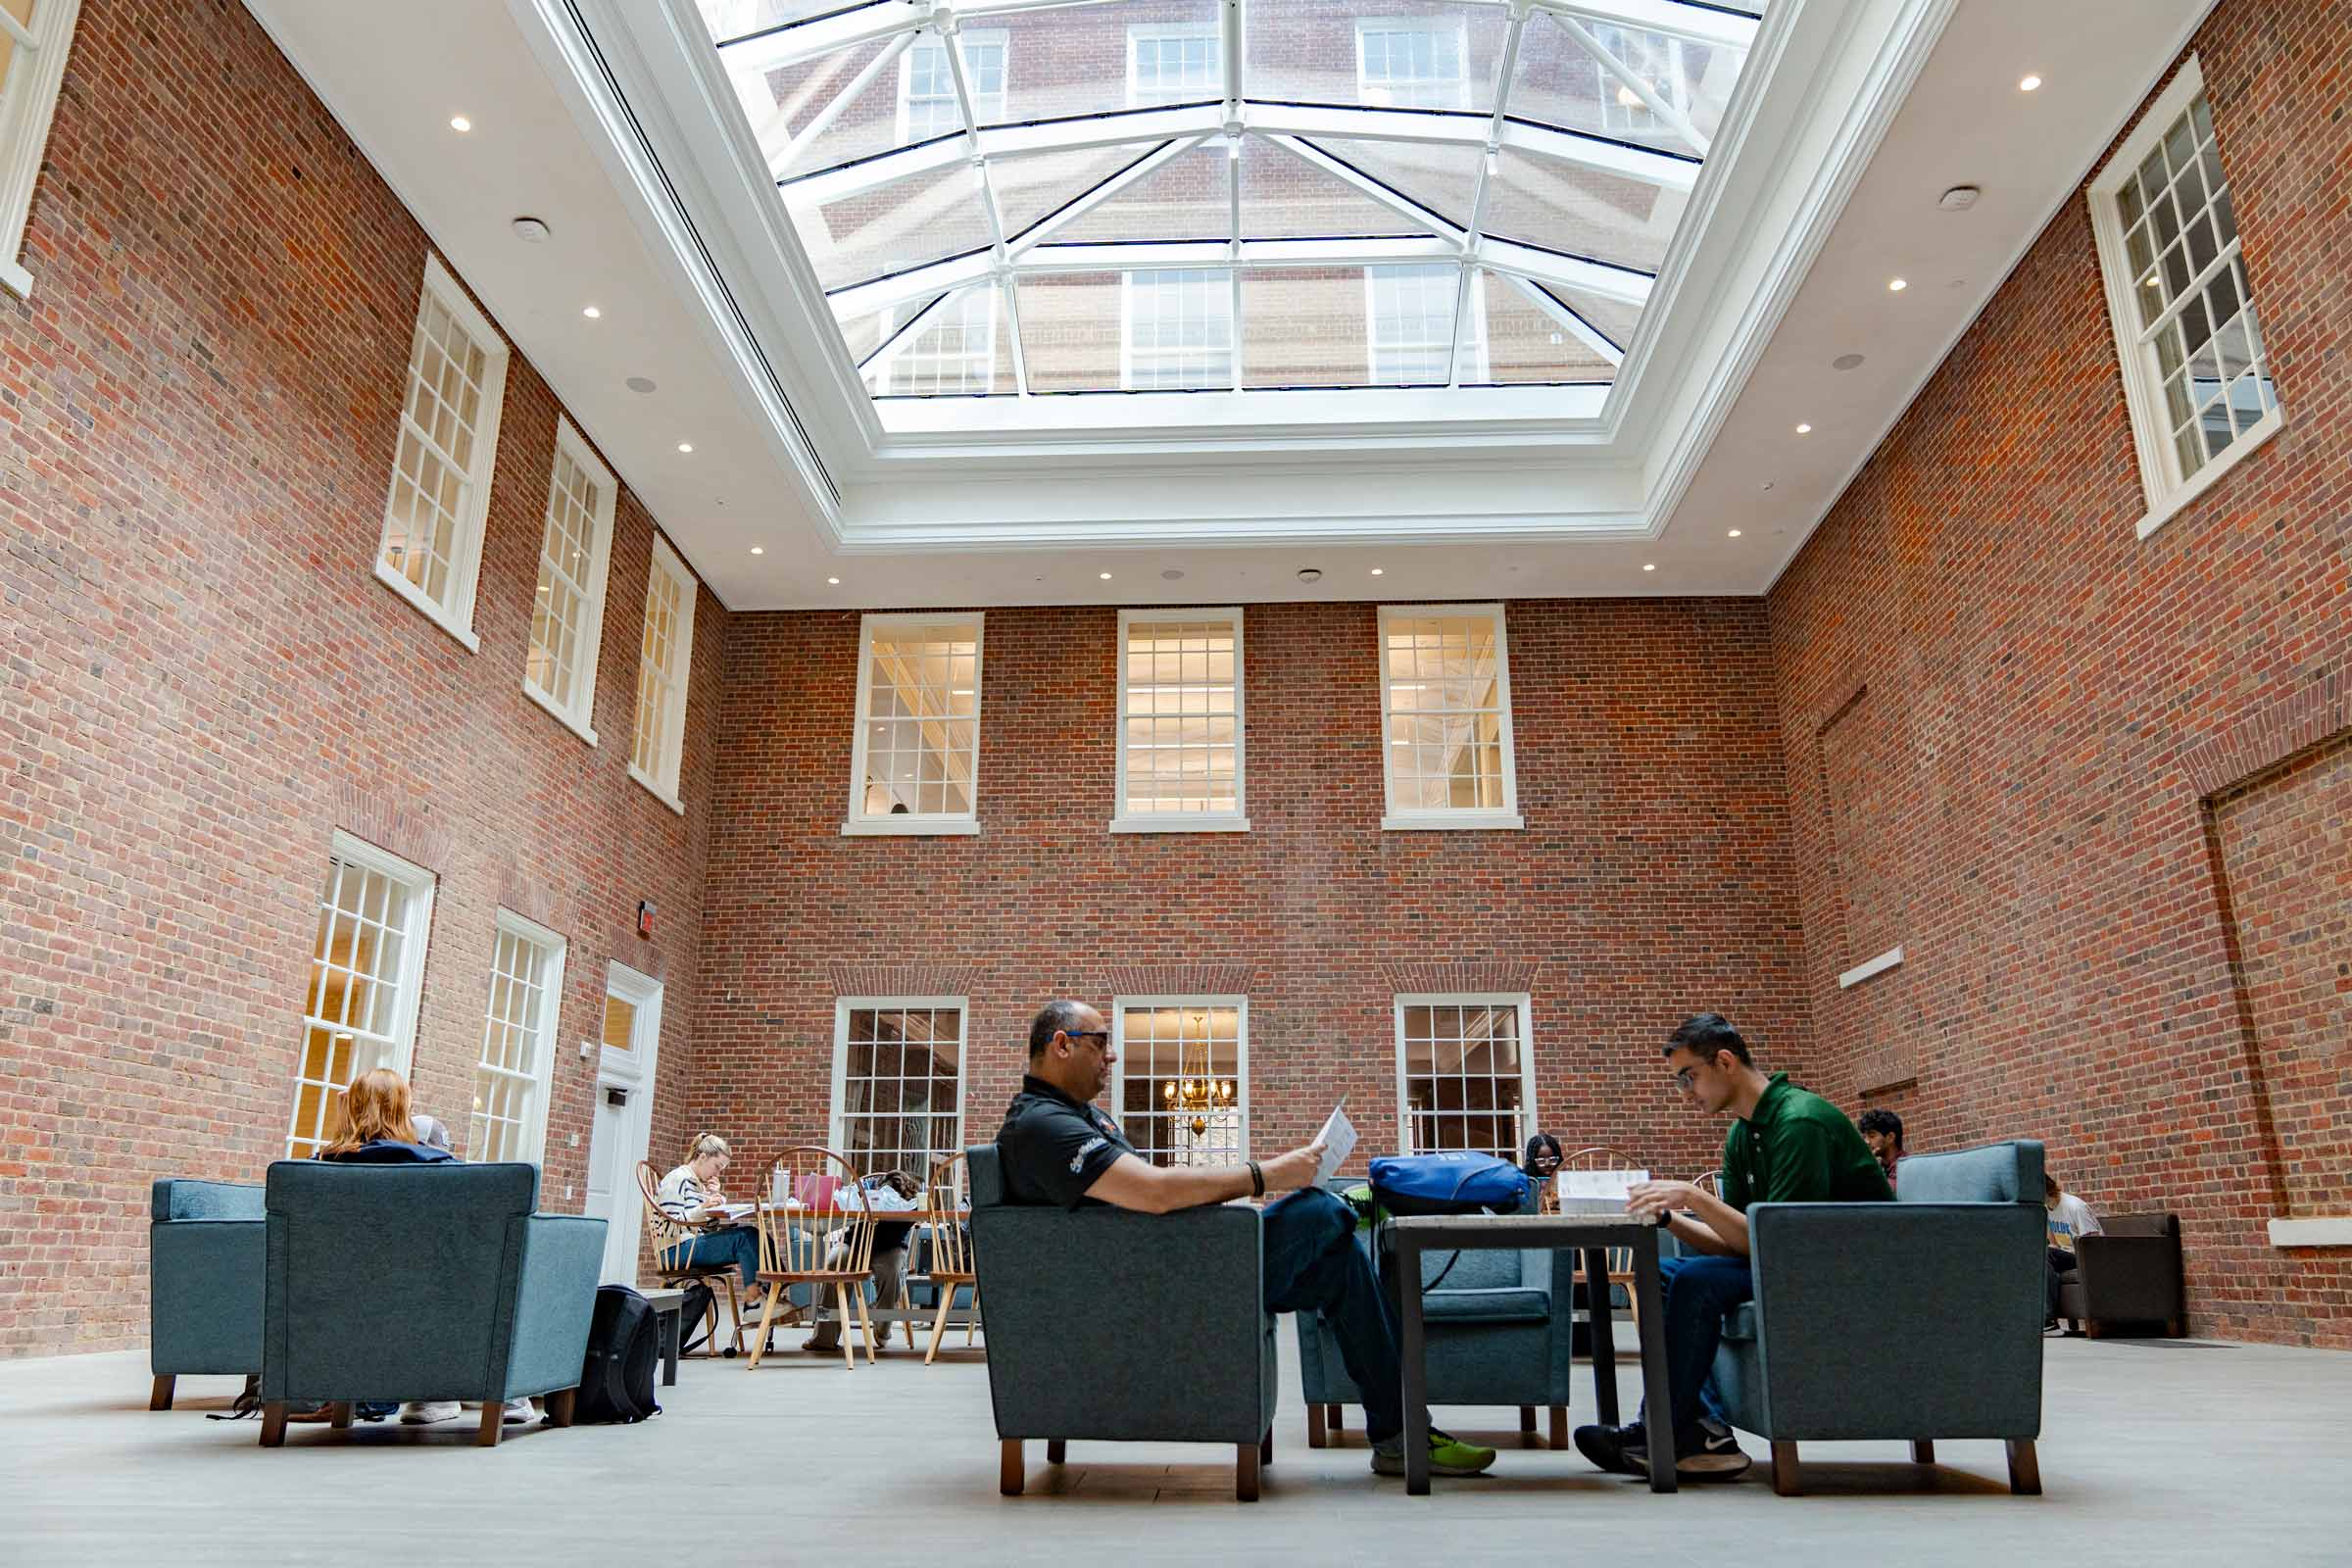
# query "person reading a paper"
(690, 1195)
(1059, 1149)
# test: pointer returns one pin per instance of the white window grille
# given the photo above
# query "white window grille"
(1657, 58)
(916, 764)
(432, 547)
(567, 612)
(1465, 1076)
(1410, 339)
(519, 1043)
(367, 971)
(927, 105)
(1412, 63)
(1174, 66)
(2196, 371)
(34, 36)
(1180, 722)
(1182, 1080)
(952, 353)
(898, 1082)
(1446, 704)
(1176, 331)
(665, 660)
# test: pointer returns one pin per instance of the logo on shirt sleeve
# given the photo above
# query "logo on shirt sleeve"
(1078, 1161)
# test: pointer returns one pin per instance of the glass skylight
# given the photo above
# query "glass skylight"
(1029, 197)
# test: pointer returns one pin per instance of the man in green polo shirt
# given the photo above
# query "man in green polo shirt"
(1785, 1145)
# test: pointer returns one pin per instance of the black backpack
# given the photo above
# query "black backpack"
(616, 1380)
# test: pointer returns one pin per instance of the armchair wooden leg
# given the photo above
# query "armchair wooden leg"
(559, 1406)
(1265, 1447)
(1009, 1467)
(273, 1424)
(866, 1324)
(939, 1324)
(2025, 1470)
(1338, 1415)
(1923, 1452)
(1314, 1427)
(2173, 1328)
(1526, 1426)
(161, 1398)
(1058, 1450)
(1559, 1427)
(494, 1415)
(1784, 1469)
(1244, 1472)
(338, 1415)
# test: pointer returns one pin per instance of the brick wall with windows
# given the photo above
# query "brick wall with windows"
(1651, 879)
(203, 680)
(2093, 771)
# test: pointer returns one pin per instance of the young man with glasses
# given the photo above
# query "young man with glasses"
(1785, 1145)
(1058, 1148)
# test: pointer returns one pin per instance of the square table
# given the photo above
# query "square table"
(1594, 1234)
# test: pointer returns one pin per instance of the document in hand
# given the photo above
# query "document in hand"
(1613, 1184)
(1338, 1139)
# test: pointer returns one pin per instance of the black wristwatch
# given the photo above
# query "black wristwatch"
(1664, 1219)
(1257, 1179)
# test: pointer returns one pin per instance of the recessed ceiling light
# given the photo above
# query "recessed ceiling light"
(2029, 83)
(534, 230)
(685, 446)
(758, 550)
(1804, 429)
(1766, 485)
(1172, 574)
(643, 385)
(1105, 575)
(1735, 533)
(1310, 573)
(1845, 362)
(459, 122)
(591, 311)
(1379, 571)
(1896, 286)
(1649, 565)
(835, 581)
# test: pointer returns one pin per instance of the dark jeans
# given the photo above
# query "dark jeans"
(2062, 1265)
(1696, 1292)
(738, 1244)
(1315, 1264)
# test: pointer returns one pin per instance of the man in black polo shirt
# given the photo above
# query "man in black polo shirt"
(1058, 1148)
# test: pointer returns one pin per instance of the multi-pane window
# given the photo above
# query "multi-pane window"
(1182, 1088)
(1445, 699)
(915, 765)
(927, 105)
(519, 1043)
(1656, 57)
(665, 659)
(1411, 64)
(898, 1096)
(34, 35)
(1410, 315)
(2195, 363)
(1180, 721)
(1177, 332)
(567, 612)
(432, 546)
(951, 351)
(1179, 67)
(1464, 1078)
(367, 968)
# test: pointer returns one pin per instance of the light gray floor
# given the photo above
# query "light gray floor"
(2153, 1452)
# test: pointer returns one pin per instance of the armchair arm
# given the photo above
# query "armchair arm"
(555, 1298)
(2129, 1279)
(206, 1279)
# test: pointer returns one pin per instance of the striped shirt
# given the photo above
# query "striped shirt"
(681, 1193)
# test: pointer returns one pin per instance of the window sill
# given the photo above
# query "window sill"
(656, 790)
(2333, 1231)
(16, 279)
(2172, 506)
(909, 827)
(567, 721)
(1175, 823)
(1443, 821)
(425, 607)
(1862, 972)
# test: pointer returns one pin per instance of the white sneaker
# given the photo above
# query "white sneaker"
(424, 1412)
(518, 1412)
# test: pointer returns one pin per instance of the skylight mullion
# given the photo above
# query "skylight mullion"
(1394, 201)
(1568, 320)
(797, 43)
(1669, 115)
(1693, 20)
(822, 121)
(1504, 67)
(1090, 200)
(1012, 325)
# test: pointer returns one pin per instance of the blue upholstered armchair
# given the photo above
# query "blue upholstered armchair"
(422, 1282)
(1123, 1328)
(204, 1282)
(1917, 1319)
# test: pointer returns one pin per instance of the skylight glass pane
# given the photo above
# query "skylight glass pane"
(1566, 206)
(1440, 176)
(867, 235)
(957, 348)
(733, 19)
(1522, 342)
(1412, 55)
(1185, 198)
(1030, 190)
(1303, 328)
(1070, 332)
(866, 125)
(1074, 60)
(1612, 318)
(1286, 197)
(1558, 81)
(1176, 333)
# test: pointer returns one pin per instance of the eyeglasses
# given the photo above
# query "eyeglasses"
(1101, 1037)
(1683, 1079)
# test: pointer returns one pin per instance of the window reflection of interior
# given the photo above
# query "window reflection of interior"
(1181, 1094)
(902, 1089)
(922, 722)
(353, 1000)
(1464, 1078)
(1182, 718)
(1445, 718)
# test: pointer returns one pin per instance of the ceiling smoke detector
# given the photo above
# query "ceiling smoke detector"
(1959, 199)
(531, 229)
(1310, 573)
(1172, 574)
(639, 383)
(1845, 362)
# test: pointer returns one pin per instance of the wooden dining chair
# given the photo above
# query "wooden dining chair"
(950, 1250)
(1621, 1258)
(674, 1242)
(795, 1249)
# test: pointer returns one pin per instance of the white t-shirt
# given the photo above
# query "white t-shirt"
(2070, 1218)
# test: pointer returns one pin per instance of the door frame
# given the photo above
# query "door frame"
(636, 1071)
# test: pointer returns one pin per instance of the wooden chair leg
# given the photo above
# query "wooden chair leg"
(1058, 1450)
(1265, 1447)
(1784, 1469)
(2025, 1470)
(734, 1312)
(971, 1318)
(2091, 1327)
(560, 1405)
(338, 1415)
(494, 1415)
(849, 1342)
(866, 1324)
(1923, 1452)
(1008, 1469)
(160, 1399)
(1244, 1472)
(2173, 1328)
(1559, 1426)
(759, 1335)
(1338, 1415)
(1526, 1426)
(1314, 1427)
(273, 1424)
(939, 1324)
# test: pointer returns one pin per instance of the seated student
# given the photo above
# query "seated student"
(690, 1195)
(1785, 1144)
(2071, 1219)
(1882, 1131)
(888, 1265)
(1541, 1162)
(1057, 1150)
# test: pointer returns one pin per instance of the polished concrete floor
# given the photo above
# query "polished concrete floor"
(2152, 1452)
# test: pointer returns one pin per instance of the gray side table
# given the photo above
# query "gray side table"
(668, 1308)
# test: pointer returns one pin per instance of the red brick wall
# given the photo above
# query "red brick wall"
(2054, 702)
(1652, 877)
(202, 680)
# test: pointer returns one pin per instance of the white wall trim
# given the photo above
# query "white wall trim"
(1869, 967)
(2334, 1231)
(25, 115)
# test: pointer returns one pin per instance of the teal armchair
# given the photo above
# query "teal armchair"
(204, 1282)
(387, 1283)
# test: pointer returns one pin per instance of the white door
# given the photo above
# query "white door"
(624, 1115)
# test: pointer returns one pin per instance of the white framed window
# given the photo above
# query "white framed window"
(1175, 330)
(1408, 339)
(519, 1043)
(1174, 64)
(1182, 1080)
(366, 974)
(2196, 372)
(952, 353)
(1655, 57)
(666, 660)
(432, 547)
(1412, 63)
(1466, 1073)
(567, 612)
(1180, 722)
(927, 105)
(898, 1082)
(34, 36)
(1445, 717)
(914, 766)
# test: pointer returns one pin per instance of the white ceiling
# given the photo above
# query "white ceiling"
(1569, 509)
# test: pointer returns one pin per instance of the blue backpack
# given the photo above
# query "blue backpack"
(1450, 1183)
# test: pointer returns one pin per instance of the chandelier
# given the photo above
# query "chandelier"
(1196, 1090)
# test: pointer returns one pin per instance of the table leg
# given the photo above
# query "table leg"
(673, 1331)
(1412, 1366)
(1657, 1397)
(1598, 1337)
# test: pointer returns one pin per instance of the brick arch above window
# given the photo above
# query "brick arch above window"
(412, 831)
(1492, 975)
(903, 979)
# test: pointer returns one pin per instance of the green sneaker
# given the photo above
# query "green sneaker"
(1448, 1455)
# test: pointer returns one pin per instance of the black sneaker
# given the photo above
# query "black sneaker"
(1706, 1452)
(1619, 1450)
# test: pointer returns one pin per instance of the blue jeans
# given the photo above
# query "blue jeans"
(1697, 1291)
(1315, 1264)
(738, 1244)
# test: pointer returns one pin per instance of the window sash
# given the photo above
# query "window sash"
(359, 1013)
(664, 662)
(1161, 1051)
(928, 755)
(1180, 707)
(1163, 312)
(1448, 729)
(568, 607)
(1149, 53)
(871, 1118)
(1391, 58)
(1435, 1022)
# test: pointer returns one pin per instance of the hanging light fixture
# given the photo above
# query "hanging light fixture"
(1196, 1088)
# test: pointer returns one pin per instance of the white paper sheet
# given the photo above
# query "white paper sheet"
(1338, 1139)
(1615, 1184)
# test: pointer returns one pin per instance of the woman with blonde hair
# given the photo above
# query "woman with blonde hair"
(690, 1195)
